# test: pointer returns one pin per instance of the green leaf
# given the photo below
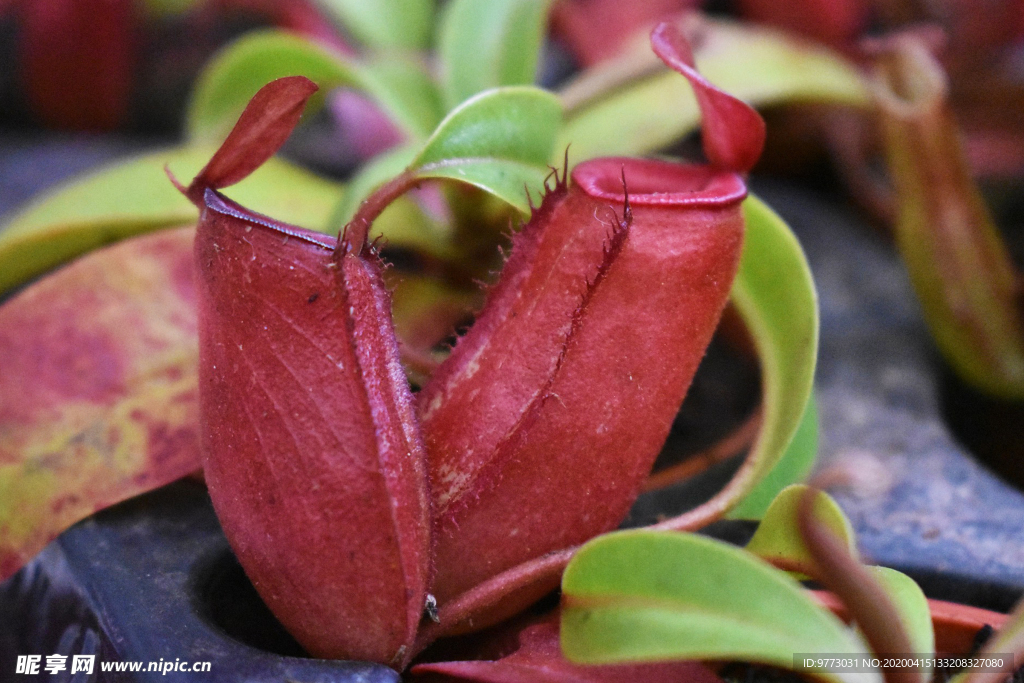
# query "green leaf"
(504, 178)
(793, 467)
(778, 539)
(404, 89)
(912, 606)
(632, 106)
(781, 314)
(135, 196)
(644, 596)
(516, 123)
(385, 23)
(227, 84)
(489, 43)
(499, 141)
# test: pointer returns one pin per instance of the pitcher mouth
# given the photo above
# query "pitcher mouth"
(659, 183)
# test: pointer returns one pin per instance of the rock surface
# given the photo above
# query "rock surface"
(917, 499)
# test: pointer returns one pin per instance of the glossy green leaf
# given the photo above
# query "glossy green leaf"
(911, 604)
(499, 141)
(645, 596)
(778, 539)
(504, 178)
(793, 467)
(489, 43)
(517, 123)
(781, 314)
(131, 197)
(385, 23)
(231, 79)
(632, 106)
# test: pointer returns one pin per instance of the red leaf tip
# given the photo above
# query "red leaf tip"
(263, 127)
(174, 180)
(733, 132)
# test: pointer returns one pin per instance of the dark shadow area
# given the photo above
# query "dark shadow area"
(989, 427)
(724, 392)
(224, 596)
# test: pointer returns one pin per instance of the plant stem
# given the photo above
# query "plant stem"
(354, 235)
(728, 446)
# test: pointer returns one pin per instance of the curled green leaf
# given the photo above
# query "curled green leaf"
(793, 467)
(646, 596)
(496, 141)
(777, 539)
(499, 141)
(782, 317)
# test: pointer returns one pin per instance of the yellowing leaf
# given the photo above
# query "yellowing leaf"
(98, 398)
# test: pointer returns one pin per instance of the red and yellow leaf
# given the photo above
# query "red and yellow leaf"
(98, 396)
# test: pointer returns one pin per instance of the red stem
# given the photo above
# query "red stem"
(356, 230)
(728, 446)
(866, 601)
